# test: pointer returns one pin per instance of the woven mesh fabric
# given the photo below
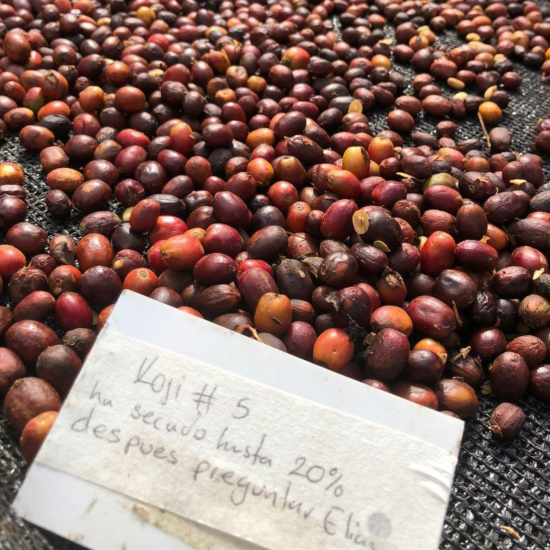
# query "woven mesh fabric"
(496, 485)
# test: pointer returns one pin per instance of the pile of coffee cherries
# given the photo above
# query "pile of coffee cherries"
(253, 192)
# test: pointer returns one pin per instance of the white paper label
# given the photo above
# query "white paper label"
(245, 458)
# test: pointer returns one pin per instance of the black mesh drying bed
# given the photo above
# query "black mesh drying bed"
(501, 492)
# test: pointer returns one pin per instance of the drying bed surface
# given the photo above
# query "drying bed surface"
(501, 492)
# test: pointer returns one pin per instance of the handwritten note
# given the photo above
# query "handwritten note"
(245, 458)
